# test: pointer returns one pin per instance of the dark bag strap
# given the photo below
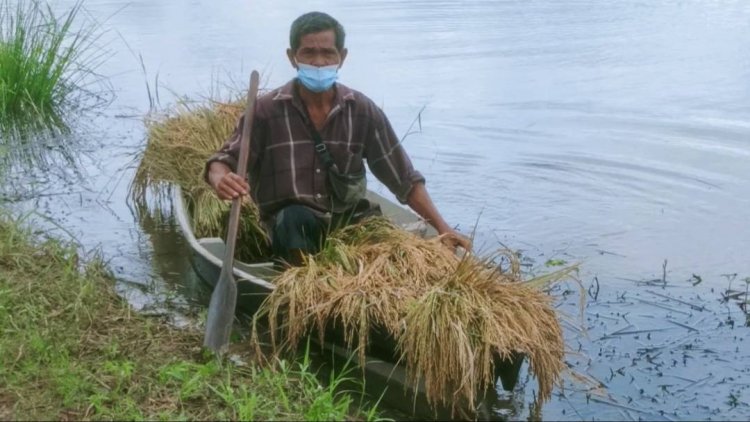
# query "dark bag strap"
(325, 155)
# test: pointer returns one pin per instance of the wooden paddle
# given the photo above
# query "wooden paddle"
(224, 297)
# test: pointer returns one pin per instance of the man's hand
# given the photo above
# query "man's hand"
(453, 239)
(227, 184)
(419, 200)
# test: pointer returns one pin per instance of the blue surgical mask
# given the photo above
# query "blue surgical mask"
(317, 79)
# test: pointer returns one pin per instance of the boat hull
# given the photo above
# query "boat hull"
(382, 373)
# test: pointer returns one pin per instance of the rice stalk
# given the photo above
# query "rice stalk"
(180, 141)
(452, 318)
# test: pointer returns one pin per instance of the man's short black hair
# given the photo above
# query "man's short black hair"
(313, 22)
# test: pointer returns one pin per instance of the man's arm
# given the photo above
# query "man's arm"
(389, 162)
(220, 168)
(419, 200)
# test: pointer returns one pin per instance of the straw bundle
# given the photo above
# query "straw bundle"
(179, 143)
(450, 316)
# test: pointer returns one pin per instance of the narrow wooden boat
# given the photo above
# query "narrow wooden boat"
(384, 378)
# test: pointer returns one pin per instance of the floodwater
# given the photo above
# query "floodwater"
(611, 133)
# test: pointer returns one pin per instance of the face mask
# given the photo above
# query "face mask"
(317, 79)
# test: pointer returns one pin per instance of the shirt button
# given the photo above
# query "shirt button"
(317, 195)
(317, 170)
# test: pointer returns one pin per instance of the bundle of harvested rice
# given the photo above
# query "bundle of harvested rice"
(450, 316)
(179, 143)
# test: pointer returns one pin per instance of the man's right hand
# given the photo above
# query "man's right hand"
(227, 184)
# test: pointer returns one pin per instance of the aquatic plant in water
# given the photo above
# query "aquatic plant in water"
(47, 67)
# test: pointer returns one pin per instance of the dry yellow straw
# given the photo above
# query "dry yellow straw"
(451, 317)
(179, 143)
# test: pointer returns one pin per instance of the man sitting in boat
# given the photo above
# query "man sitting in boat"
(309, 140)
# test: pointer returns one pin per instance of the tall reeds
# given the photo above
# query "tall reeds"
(47, 66)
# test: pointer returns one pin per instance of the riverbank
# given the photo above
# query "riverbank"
(72, 349)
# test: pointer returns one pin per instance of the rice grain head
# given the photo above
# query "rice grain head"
(452, 318)
(180, 141)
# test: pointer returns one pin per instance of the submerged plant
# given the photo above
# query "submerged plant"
(47, 67)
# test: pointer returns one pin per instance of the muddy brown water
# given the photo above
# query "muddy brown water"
(614, 133)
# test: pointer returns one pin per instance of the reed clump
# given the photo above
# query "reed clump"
(179, 143)
(450, 316)
(47, 66)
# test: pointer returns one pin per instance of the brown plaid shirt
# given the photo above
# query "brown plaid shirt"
(284, 167)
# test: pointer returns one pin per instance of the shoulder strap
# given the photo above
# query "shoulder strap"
(320, 147)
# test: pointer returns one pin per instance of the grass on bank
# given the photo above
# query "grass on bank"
(72, 349)
(47, 66)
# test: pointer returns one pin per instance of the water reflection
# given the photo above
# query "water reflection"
(37, 164)
(170, 254)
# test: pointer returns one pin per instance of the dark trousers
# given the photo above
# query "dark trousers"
(297, 230)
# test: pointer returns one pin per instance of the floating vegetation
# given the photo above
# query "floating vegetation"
(739, 295)
(179, 143)
(48, 68)
(654, 345)
(450, 316)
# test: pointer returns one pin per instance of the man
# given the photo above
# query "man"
(287, 174)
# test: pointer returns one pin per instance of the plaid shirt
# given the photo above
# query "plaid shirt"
(284, 167)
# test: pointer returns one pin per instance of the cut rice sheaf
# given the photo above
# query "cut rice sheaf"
(450, 316)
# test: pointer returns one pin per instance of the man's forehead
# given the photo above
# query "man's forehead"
(326, 38)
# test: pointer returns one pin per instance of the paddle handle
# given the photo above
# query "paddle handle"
(234, 215)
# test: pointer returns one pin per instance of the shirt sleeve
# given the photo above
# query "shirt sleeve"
(229, 153)
(387, 158)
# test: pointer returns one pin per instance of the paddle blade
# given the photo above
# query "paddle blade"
(224, 297)
(221, 313)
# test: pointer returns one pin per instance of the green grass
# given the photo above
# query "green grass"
(48, 66)
(71, 349)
